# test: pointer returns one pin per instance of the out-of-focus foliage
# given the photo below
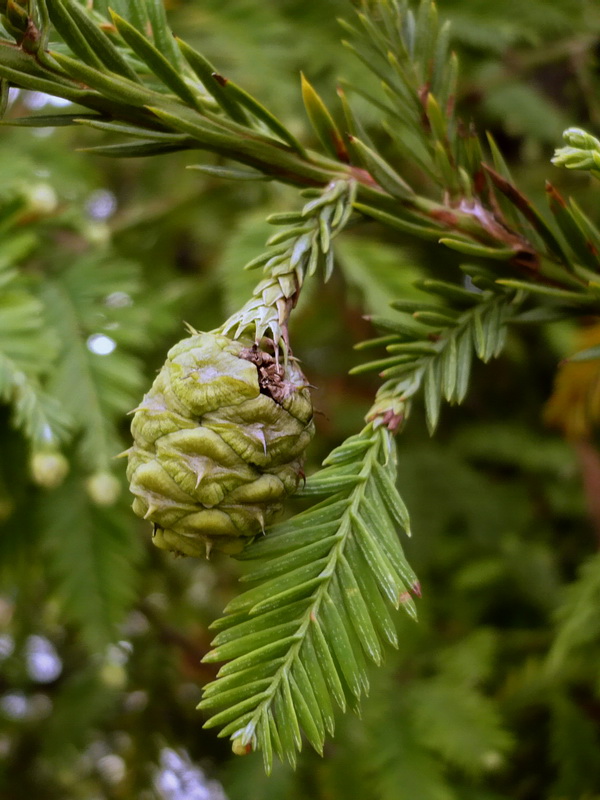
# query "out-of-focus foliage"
(494, 693)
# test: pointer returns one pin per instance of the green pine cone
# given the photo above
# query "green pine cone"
(218, 444)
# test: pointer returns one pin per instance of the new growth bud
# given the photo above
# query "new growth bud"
(49, 468)
(103, 488)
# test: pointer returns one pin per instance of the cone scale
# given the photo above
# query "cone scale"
(218, 444)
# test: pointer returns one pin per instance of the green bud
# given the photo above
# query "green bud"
(218, 444)
(582, 152)
(103, 488)
(49, 468)
(113, 675)
(576, 137)
(41, 199)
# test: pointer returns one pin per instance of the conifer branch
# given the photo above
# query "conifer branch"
(92, 559)
(27, 350)
(298, 640)
(294, 254)
(187, 104)
(107, 385)
(431, 349)
(298, 643)
(35, 412)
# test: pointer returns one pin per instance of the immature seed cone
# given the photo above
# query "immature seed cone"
(218, 444)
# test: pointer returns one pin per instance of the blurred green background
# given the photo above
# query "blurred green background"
(495, 693)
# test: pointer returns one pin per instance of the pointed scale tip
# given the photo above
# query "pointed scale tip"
(124, 454)
(200, 475)
(150, 511)
(261, 518)
(190, 329)
(260, 435)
